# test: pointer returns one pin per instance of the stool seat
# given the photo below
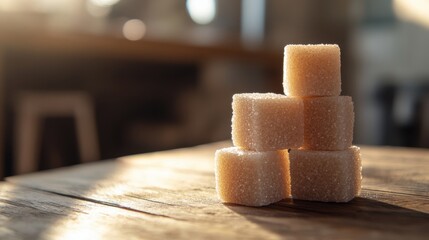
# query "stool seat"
(33, 106)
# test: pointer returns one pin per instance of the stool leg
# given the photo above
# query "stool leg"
(27, 129)
(87, 133)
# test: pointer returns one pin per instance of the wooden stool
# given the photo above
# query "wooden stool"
(32, 107)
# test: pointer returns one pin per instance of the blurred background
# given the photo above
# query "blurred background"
(82, 80)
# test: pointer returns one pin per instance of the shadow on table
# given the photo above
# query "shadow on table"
(360, 218)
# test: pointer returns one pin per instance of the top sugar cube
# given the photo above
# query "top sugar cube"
(312, 70)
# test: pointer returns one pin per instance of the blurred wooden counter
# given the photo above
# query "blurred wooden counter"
(172, 194)
(153, 49)
(113, 70)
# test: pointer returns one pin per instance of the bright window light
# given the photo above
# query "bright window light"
(201, 11)
(413, 10)
(104, 3)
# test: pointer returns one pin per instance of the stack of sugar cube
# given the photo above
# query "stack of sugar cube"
(295, 145)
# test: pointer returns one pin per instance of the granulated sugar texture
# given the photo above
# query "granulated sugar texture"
(312, 120)
(252, 178)
(328, 123)
(267, 121)
(328, 176)
(312, 70)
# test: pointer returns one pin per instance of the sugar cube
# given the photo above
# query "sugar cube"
(327, 176)
(252, 178)
(312, 70)
(328, 123)
(267, 121)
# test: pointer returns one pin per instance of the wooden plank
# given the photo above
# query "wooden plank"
(179, 185)
(395, 169)
(31, 214)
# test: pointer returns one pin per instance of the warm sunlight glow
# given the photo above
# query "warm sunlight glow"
(87, 224)
(98, 11)
(129, 186)
(134, 29)
(416, 11)
(201, 11)
(104, 3)
(9, 5)
(40, 6)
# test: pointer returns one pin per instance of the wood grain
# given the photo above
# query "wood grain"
(32, 214)
(175, 190)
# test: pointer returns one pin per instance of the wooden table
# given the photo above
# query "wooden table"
(172, 195)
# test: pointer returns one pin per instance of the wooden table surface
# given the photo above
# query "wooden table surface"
(172, 194)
